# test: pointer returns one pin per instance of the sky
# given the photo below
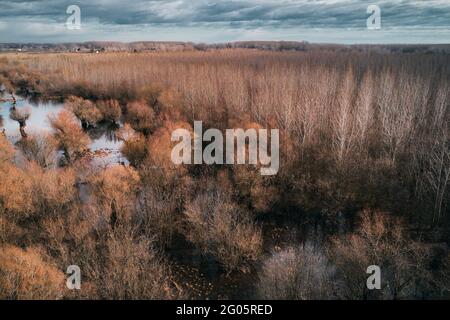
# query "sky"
(218, 21)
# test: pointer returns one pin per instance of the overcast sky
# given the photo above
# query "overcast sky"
(338, 21)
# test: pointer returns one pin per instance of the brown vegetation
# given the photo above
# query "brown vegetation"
(382, 241)
(110, 110)
(362, 132)
(85, 110)
(220, 227)
(140, 116)
(71, 139)
(24, 275)
(302, 273)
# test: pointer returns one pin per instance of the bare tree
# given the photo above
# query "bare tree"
(301, 273)
(343, 116)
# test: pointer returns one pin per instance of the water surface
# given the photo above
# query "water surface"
(104, 144)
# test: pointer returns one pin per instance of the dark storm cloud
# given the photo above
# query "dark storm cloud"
(224, 14)
(311, 13)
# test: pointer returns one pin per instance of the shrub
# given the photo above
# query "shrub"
(53, 190)
(302, 273)
(6, 151)
(71, 138)
(140, 116)
(110, 110)
(40, 148)
(85, 110)
(170, 103)
(135, 150)
(15, 184)
(20, 115)
(160, 205)
(160, 149)
(25, 275)
(5, 84)
(9, 231)
(115, 190)
(134, 146)
(258, 191)
(151, 93)
(380, 241)
(133, 270)
(218, 226)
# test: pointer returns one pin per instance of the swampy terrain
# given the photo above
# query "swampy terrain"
(88, 178)
(104, 147)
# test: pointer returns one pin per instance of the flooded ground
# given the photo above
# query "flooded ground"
(199, 275)
(202, 277)
(105, 147)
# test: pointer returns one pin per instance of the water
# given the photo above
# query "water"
(104, 144)
(38, 121)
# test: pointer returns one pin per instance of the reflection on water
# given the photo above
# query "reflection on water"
(36, 123)
(105, 144)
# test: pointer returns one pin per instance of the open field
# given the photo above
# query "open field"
(364, 176)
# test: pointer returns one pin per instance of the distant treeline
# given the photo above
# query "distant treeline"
(145, 46)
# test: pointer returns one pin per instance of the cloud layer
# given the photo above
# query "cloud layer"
(341, 21)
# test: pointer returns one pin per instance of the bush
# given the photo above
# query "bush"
(15, 185)
(140, 116)
(134, 146)
(381, 241)
(9, 231)
(84, 110)
(302, 273)
(71, 138)
(110, 110)
(53, 190)
(133, 270)
(218, 226)
(40, 148)
(258, 191)
(135, 150)
(160, 205)
(35, 191)
(151, 93)
(25, 275)
(160, 149)
(115, 190)
(170, 104)
(6, 151)
(20, 115)
(5, 85)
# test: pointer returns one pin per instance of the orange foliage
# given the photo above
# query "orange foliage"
(24, 274)
(140, 116)
(72, 140)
